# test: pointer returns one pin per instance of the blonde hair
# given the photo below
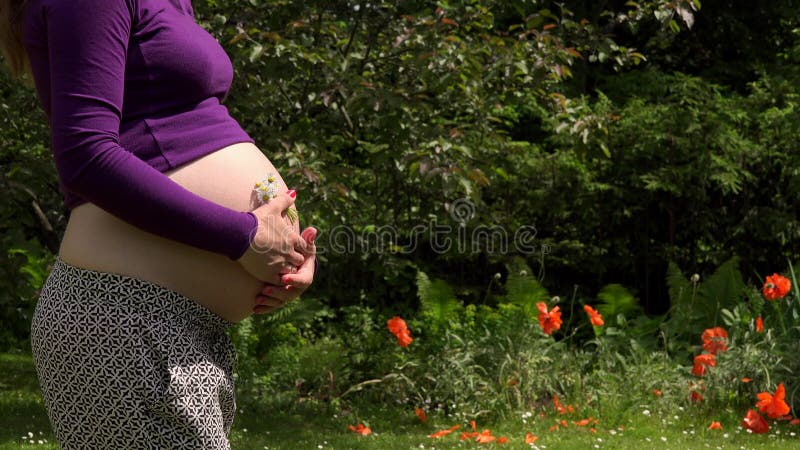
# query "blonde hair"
(11, 36)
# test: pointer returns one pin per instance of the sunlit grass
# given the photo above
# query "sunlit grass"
(306, 426)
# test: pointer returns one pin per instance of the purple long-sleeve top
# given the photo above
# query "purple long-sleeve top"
(132, 88)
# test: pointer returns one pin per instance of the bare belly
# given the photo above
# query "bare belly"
(96, 240)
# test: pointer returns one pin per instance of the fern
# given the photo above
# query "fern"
(680, 289)
(723, 289)
(522, 289)
(680, 325)
(437, 300)
(616, 300)
(299, 311)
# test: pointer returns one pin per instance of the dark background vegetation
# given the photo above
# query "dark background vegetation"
(630, 135)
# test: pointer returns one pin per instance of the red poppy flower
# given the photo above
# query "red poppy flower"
(755, 423)
(773, 405)
(550, 321)
(746, 380)
(404, 338)
(696, 397)
(530, 438)
(776, 286)
(559, 407)
(594, 317)
(398, 327)
(485, 437)
(794, 421)
(465, 435)
(759, 324)
(441, 433)
(700, 363)
(715, 340)
(502, 440)
(657, 392)
(715, 426)
(421, 414)
(360, 429)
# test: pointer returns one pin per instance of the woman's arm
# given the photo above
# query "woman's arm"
(87, 47)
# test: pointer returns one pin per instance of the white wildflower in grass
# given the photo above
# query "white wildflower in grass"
(646, 412)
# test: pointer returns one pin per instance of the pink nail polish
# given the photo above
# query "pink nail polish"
(292, 193)
(285, 279)
(268, 291)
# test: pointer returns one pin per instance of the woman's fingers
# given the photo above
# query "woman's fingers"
(304, 276)
(295, 258)
(274, 297)
(283, 294)
(280, 203)
(309, 234)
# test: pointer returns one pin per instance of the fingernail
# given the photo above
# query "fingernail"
(268, 291)
(292, 193)
(285, 279)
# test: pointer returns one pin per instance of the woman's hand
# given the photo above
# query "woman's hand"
(292, 285)
(276, 246)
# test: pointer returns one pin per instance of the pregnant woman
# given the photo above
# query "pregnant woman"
(168, 241)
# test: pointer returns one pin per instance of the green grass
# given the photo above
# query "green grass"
(314, 427)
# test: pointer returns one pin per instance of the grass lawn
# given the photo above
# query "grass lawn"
(24, 424)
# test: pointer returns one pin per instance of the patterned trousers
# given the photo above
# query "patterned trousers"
(127, 364)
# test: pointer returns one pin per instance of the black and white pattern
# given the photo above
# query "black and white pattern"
(127, 364)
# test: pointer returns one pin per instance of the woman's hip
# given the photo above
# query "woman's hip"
(132, 360)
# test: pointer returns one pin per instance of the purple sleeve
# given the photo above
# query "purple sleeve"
(87, 42)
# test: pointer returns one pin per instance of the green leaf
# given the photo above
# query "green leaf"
(522, 289)
(256, 52)
(437, 300)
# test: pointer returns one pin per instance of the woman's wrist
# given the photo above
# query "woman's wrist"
(250, 228)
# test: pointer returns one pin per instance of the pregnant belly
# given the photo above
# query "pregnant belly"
(94, 239)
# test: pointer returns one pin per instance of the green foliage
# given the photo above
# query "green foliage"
(616, 300)
(31, 214)
(437, 301)
(523, 290)
(697, 305)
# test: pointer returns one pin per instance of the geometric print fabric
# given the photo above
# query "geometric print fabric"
(126, 364)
